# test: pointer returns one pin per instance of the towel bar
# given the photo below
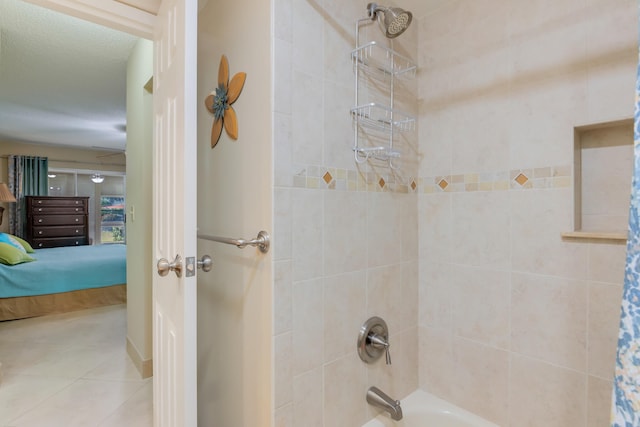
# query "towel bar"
(262, 241)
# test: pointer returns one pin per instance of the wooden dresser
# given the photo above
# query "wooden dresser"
(57, 221)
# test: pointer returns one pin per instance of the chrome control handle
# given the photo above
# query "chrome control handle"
(380, 343)
(164, 266)
(205, 263)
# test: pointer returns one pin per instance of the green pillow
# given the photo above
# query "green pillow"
(10, 240)
(9, 255)
(27, 247)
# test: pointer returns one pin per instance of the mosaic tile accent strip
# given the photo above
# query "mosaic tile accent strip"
(323, 178)
(517, 179)
(317, 177)
(521, 179)
(327, 178)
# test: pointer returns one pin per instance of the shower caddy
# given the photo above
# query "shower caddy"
(382, 64)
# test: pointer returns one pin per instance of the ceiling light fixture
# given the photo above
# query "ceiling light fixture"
(97, 178)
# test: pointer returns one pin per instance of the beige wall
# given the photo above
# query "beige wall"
(516, 323)
(235, 200)
(59, 157)
(139, 192)
(345, 243)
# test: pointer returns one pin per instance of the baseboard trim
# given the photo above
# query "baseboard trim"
(144, 367)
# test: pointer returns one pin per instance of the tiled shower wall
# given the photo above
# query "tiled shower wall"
(513, 322)
(516, 323)
(345, 239)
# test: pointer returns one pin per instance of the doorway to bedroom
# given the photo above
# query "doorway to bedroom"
(69, 135)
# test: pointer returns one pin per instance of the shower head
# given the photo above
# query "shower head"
(396, 20)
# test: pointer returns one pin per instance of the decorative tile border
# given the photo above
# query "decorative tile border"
(516, 179)
(323, 178)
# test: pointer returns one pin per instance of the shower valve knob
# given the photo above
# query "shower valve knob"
(373, 339)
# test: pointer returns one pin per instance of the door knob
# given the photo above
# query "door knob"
(164, 266)
(205, 263)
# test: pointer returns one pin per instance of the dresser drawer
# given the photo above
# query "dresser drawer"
(57, 201)
(58, 210)
(62, 231)
(57, 220)
(61, 241)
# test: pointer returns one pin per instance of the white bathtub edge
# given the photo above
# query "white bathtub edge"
(419, 401)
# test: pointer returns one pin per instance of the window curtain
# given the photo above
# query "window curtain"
(27, 177)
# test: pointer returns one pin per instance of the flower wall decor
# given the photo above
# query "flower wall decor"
(219, 102)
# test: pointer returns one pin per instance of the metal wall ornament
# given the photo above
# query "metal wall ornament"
(219, 102)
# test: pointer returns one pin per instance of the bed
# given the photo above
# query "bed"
(63, 279)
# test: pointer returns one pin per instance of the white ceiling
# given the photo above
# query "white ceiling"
(62, 80)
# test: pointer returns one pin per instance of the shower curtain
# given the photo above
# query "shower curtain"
(625, 410)
(27, 177)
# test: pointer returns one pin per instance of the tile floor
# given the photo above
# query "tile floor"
(71, 370)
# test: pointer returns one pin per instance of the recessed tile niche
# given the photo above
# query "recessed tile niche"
(603, 167)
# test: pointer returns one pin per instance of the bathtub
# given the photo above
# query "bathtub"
(421, 409)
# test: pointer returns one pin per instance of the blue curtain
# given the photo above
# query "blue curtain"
(27, 177)
(625, 410)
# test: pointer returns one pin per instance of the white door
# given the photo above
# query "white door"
(174, 217)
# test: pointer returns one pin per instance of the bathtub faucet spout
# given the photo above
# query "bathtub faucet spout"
(379, 399)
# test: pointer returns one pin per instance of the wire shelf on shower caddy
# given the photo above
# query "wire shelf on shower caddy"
(381, 61)
(379, 153)
(381, 117)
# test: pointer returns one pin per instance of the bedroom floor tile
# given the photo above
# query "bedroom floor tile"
(21, 393)
(119, 367)
(72, 361)
(18, 357)
(81, 404)
(78, 327)
(137, 411)
(70, 370)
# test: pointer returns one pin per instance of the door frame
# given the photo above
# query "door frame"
(112, 14)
